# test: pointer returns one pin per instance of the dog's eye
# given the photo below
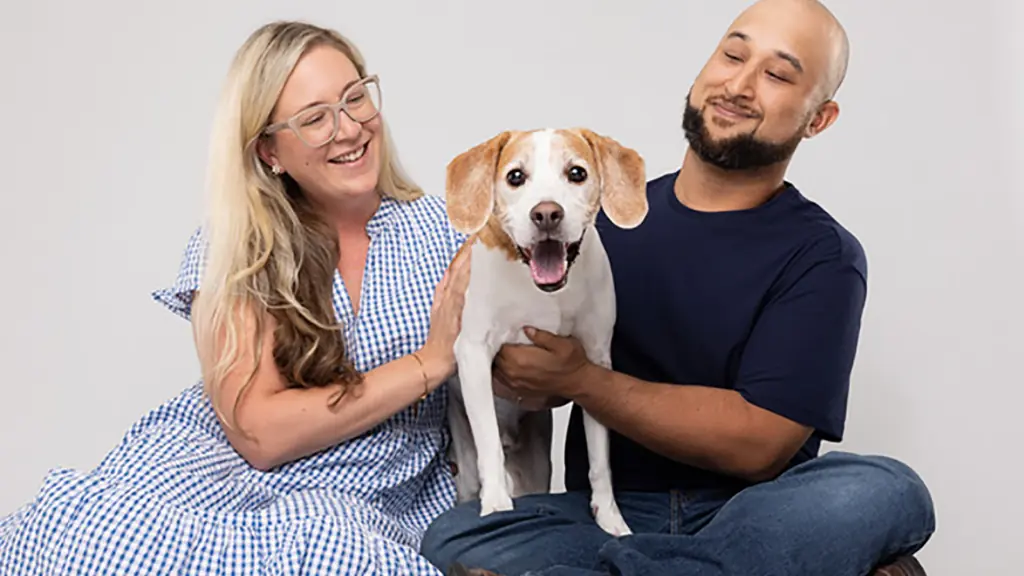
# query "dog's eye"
(577, 174)
(515, 177)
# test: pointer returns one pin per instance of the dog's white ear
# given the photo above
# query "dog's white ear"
(623, 180)
(469, 185)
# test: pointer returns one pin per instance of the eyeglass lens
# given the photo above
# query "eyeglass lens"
(317, 125)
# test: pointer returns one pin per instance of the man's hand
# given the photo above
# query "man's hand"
(543, 375)
(525, 400)
(706, 427)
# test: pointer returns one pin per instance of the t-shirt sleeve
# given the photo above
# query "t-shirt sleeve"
(800, 354)
(178, 296)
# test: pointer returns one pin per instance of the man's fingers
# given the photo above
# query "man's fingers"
(542, 338)
(501, 362)
(502, 388)
(523, 398)
(499, 375)
(510, 357)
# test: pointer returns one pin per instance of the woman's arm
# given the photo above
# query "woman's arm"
(275, 424)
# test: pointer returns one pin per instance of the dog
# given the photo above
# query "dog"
(528, 201)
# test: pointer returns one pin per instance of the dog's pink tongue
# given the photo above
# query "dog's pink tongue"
(548, 262)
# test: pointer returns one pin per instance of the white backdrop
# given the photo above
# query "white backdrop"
(106, 116)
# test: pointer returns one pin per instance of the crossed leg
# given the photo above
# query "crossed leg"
(839, 514)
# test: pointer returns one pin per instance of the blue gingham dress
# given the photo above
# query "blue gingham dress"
(173, 497)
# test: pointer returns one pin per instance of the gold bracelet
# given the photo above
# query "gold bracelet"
(426, 380)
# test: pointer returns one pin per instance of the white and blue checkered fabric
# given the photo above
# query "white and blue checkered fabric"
(173, 497)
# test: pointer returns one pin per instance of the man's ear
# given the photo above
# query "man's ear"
(623, 180)
(469, 185)
(824, 117)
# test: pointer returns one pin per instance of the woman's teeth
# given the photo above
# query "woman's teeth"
(350, 157)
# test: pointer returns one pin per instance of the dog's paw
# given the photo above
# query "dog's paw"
(494, 501)
(610, 519)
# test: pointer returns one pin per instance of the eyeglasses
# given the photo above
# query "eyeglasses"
(317, 125)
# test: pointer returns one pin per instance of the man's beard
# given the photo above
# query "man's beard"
(742, 152)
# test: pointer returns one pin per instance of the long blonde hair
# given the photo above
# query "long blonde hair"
(268, 250)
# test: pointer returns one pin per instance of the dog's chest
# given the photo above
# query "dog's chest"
(531, 307)
(508, 299)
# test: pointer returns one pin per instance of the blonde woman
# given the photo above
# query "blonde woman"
(324, 323)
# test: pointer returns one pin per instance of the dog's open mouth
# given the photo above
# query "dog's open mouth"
(549, 262)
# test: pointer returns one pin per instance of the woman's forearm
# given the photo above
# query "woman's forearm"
(277, 426)
(270, 423)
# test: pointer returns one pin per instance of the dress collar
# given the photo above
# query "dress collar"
(383, 217)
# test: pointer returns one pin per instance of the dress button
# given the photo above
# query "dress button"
(453, 467)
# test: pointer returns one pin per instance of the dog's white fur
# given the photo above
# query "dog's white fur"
(501, 451)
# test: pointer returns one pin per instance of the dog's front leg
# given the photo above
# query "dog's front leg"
(597, 344)
(462, 449)
(602, 499)
(474, 361)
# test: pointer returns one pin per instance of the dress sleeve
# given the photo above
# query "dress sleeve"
(457, 239)
(453, 238)
(178, 296)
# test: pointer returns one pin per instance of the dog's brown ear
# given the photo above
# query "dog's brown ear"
(623, 180)
(469, 185)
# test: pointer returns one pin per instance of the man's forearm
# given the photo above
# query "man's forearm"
(706, 427)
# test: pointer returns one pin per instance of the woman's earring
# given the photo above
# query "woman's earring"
(276, 169)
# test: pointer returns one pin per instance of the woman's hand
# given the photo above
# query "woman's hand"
(438, 353)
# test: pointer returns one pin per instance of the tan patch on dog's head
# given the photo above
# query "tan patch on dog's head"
(493, 235)
(473, 207)
(576, 146)
(469, 184)
(622, 174)
(519, 146)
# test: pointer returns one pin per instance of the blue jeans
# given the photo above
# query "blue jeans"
(839, 514)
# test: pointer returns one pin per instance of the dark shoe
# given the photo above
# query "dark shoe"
(457, 569)
(904, 566)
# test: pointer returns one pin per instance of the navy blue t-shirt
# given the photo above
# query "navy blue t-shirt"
(765, 301)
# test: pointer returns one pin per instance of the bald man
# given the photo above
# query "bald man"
(739, 310)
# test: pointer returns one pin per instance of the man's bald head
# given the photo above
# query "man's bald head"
(769, 84)
(828, 36)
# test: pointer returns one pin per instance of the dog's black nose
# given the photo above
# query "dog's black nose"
(546, 216)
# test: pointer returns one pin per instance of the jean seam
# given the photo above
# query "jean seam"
(684, 505)
(673, 505)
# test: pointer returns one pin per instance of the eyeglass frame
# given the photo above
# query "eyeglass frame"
(335, 109)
